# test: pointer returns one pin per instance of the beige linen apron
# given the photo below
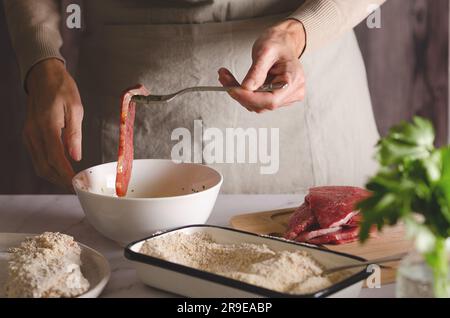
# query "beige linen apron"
(327, 139)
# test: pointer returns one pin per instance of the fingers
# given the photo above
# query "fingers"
(227, 79)
(54, 118)
(34, 146)
(42, 137)
(56, 158)
(73, 116)
(296, 90)
(291, 73)
(254, 101)
(262, 63)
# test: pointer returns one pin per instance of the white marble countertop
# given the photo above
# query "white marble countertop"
(36, 214)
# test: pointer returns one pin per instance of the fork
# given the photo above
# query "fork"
(388, 259)
(167, 98)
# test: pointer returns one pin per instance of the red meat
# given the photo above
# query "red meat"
(328, 216)
(301, 221)
(307, 236)
(126, 148)
(335, 206)
(355, 220)
(346, 235)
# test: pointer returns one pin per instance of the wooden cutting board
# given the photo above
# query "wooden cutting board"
(390, 242)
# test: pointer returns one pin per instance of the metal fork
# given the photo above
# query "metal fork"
(388, 259)
(167, 98)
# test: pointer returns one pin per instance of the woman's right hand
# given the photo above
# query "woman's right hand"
(52, 131)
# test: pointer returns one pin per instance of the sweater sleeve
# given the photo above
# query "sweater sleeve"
(325, 20)
(34, 30)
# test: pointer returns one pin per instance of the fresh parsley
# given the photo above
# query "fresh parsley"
(413, 186)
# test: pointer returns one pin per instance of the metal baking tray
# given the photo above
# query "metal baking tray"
(191, 282)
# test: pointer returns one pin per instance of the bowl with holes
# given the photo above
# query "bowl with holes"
(161, 195)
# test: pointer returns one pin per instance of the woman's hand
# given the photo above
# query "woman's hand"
(275, 59)
(53, 123)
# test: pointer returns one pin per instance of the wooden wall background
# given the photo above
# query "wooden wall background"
(407, 65)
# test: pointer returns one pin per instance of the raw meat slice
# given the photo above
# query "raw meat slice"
(328, 216)
(347, 219)
(126, 148)
(300, 221)
(307, 236)
(354, 221)
(346, 235)
(335, 206)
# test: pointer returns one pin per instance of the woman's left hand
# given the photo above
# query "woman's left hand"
(275, 60)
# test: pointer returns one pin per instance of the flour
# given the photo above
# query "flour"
(46, 266)
(293, 272)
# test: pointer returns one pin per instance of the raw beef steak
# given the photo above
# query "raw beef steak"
(328, 216)
(335, 206)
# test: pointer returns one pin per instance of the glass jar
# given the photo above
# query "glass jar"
(414, 278)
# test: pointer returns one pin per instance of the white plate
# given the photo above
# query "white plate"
(187, 281)
(95, 266)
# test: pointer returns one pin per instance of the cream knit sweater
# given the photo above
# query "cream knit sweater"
(34, 25)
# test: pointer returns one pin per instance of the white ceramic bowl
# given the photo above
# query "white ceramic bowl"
(161, 195)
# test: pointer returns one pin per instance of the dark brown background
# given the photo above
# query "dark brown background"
(407, 65)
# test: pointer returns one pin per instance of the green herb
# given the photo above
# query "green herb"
(414, 179)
